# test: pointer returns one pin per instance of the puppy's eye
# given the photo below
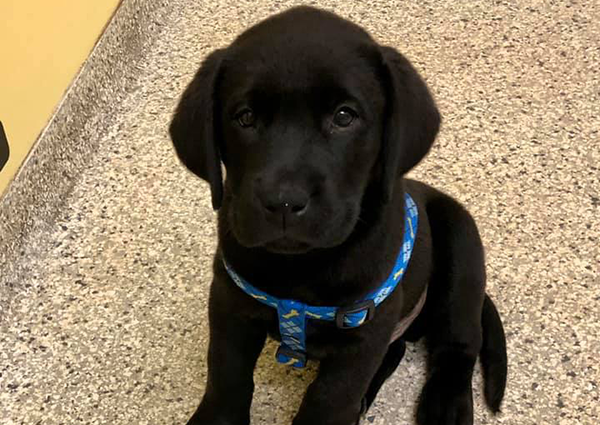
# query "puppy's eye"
(245, 118)
(344, 116)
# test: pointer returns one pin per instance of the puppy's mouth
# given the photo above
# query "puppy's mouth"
(287, 245)
(331, 229)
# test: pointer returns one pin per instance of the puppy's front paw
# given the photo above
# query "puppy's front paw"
(445, 402)
(198, 420)
(207, 416)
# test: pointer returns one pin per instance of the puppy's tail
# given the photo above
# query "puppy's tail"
(493, 355)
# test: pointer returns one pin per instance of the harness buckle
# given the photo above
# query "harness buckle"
(367, 306)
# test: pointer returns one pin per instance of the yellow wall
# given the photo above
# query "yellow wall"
(43, 43)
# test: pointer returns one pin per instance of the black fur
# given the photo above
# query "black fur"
(493, 355)
(192, 128)
(312, 209)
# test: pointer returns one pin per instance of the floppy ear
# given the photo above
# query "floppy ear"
(193, 127)
(412, 119)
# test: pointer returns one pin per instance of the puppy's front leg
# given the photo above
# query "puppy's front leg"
(335, 397)
(234, 346)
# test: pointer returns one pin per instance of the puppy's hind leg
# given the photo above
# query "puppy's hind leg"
(453, 309)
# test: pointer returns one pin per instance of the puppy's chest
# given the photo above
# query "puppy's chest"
(322, 337)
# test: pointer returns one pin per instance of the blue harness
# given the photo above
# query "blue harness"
(294, 314)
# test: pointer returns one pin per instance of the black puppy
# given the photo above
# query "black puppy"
(316, 124)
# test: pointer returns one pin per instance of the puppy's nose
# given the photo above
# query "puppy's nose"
(286, 202)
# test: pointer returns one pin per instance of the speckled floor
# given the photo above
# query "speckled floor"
(109, 326)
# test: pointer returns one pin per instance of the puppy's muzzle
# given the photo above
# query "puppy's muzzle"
(284, 204)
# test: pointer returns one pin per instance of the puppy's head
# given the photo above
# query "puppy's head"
(306, 112)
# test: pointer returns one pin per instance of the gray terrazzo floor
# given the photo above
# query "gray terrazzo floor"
(110, 325)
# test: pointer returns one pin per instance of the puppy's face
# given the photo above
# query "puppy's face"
(298, 109)
(301, 129)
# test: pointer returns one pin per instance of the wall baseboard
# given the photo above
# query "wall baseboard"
(33, 199)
